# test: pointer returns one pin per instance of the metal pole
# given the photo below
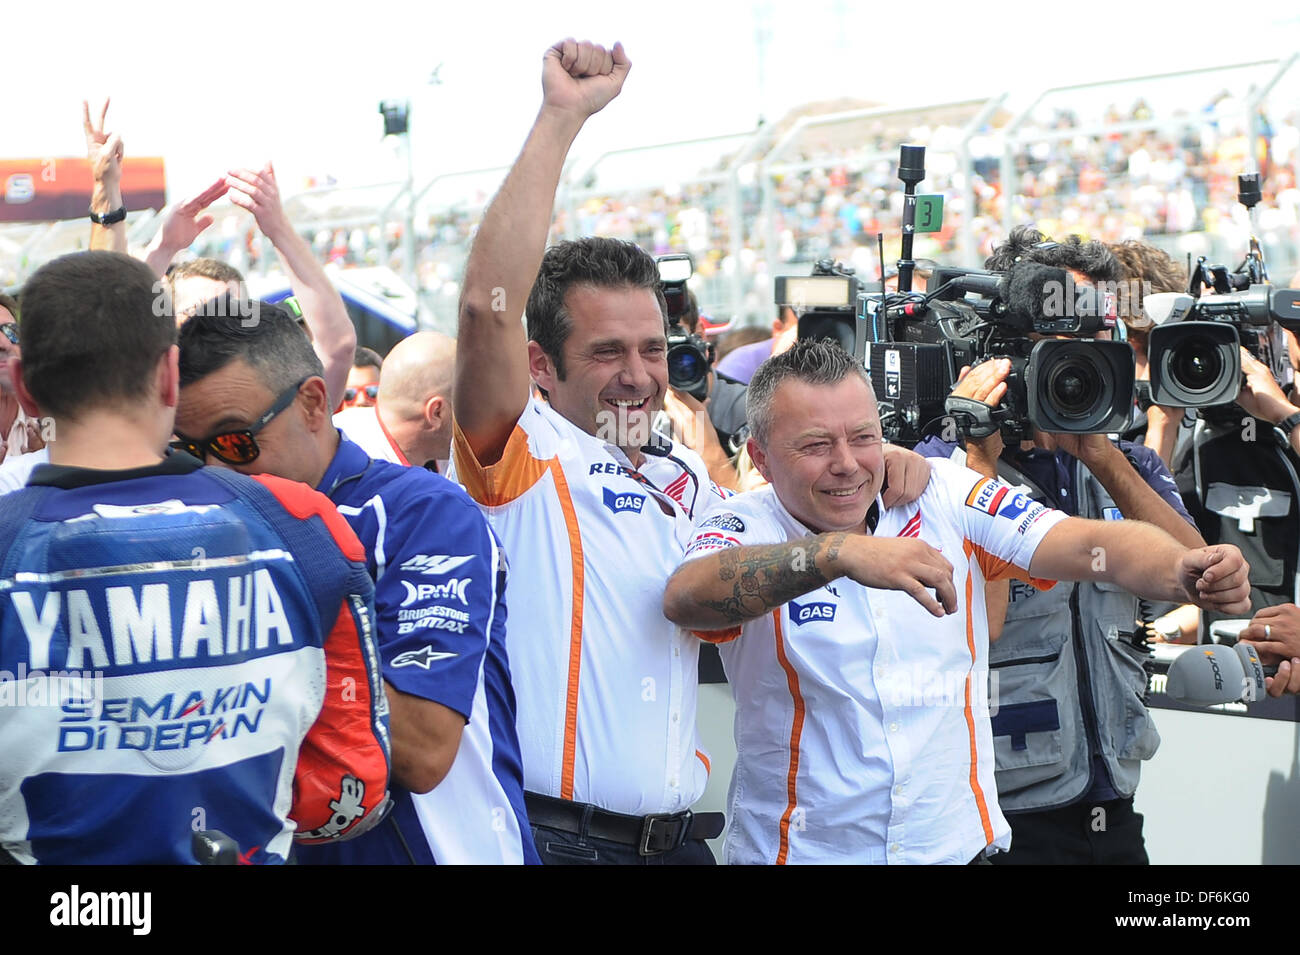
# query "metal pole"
(408, 238)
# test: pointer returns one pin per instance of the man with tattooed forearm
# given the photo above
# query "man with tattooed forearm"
(855, 636)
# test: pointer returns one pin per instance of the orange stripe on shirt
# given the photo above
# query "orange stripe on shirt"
(705, 760)
(796, 730)
(995, 568)
(575, 629)
(501, 483)
(718, 636)
(980, 801)
(496, 484)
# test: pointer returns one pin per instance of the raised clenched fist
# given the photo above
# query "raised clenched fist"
(582, 77)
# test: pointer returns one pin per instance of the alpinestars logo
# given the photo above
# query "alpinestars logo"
(433, 565)
(420, 658)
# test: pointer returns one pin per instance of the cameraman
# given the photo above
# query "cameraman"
(1238, 477)
(1071, 728)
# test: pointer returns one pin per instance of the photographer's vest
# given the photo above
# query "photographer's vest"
(1065, 681)
(1239, 482)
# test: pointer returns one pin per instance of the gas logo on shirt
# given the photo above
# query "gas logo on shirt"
(802, 613)
(618, 501)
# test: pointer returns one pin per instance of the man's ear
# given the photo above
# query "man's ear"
(541, 367)
(167, 377)
(759, 457)
(315, 403)
(437, 410)
(25, 399)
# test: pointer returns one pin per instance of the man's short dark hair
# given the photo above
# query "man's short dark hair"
(265, 336)
(9, 304)
(213, 269)
(94, 326)
(593, 262)
(811, 360)
(367, 358)
(1025, 243)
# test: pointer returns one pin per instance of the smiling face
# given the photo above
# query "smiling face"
(824, 455)
(234, 398)
(615, 363)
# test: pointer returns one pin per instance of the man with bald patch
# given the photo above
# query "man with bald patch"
(410, 422)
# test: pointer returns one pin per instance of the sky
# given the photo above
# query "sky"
(214, 86)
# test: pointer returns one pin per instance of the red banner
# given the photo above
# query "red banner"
(41, 190)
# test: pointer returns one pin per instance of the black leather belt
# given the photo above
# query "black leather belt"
(652, 835)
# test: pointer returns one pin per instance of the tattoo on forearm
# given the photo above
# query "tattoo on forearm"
(767, 577)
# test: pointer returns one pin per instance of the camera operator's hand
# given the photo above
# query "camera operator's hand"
(1088, 448)
(986, 382)
(581, 78)
(1261, 396)
(693, 427)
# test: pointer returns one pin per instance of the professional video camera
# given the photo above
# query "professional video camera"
(689, 355)
(1194, 348)
(825, 301)
(914, 345)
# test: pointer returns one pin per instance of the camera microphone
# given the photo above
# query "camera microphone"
(1028, 285)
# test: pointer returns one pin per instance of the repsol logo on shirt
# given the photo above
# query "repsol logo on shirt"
(619, 501)
(803, 613)
(127, 625)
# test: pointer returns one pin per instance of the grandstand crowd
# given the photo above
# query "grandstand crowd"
(447, 604)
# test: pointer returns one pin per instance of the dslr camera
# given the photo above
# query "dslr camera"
(689, 356)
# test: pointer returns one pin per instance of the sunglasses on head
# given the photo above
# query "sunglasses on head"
(350, 395)
(10, 331)
(237, 447)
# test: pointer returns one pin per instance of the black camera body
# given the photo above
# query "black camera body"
(689, 355)
(825, 303)
(914, 345)
(919, 345)
(1194, 350)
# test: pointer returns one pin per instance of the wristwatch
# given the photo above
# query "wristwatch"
(1288, 424)
(108, 218)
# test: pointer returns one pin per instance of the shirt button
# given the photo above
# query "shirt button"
(1063, 492)
(898, 790)
(676, 717)
(677, 651)
(893, 727)
(673, 782)
(895, 848)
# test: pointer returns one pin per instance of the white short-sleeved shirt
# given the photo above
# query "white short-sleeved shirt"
(862, 724)
(16, 470)
(364, 427)
(606, 686)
